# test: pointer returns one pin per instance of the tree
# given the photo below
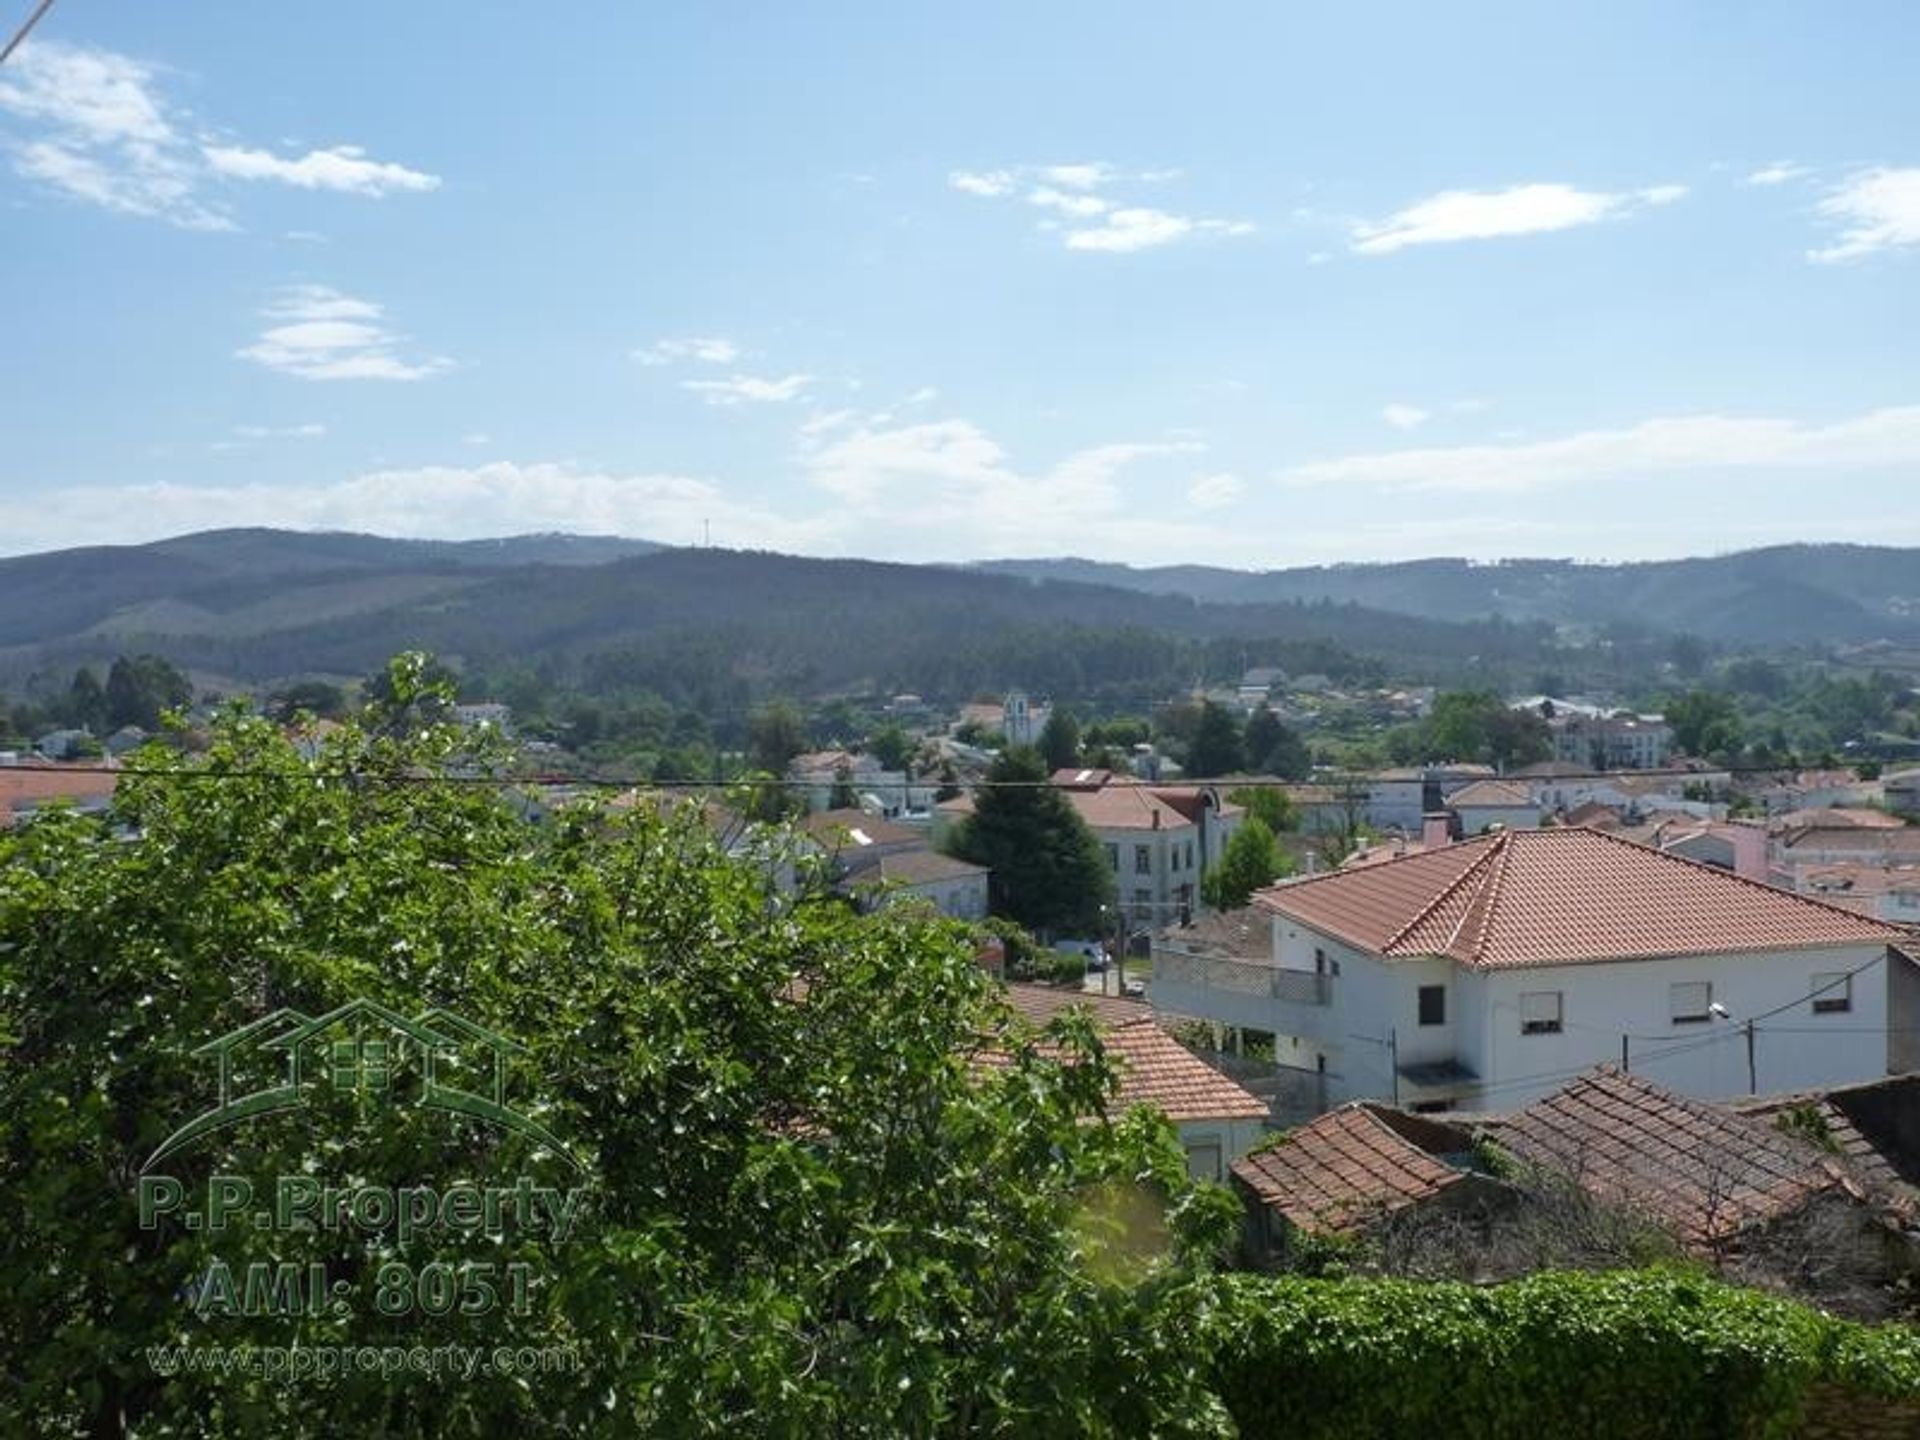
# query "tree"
(314, 697)
(842, 796)
(1060, 739)
(1215, 749)
(1252, 859)
(138, 690)
(1049, 872)
(891, 747)
(1269, 804)
(86, 704)
(949, 782)
(1275, 748)
(1704, 722)
(808, 1213)
(776, 734)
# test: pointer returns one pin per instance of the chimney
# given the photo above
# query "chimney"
(1436, 830)
(1750, 852)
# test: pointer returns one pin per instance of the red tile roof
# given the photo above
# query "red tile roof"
(857, 829)
(27, 785)
(1506, 794)
(1559, 897)
(1125, 807)
(1351, 1167)
(1703, 1170)
(1154, 1068)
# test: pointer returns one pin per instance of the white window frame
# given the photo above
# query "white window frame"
(1835, 1001)
(1541, 1023)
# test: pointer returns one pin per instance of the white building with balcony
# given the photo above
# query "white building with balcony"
(1480, 975)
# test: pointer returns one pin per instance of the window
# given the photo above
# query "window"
(1189, 854)
(1540, 1013)
(1113, 858)
(1689, 1002)
(1832, 994)
(1433, 1004)
(1142, 899)
(1142, 860)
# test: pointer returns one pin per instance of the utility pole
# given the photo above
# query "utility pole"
(1393, 1060)
(1753, 1079)
(1625, 1064)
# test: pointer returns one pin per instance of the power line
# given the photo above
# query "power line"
(20, 35)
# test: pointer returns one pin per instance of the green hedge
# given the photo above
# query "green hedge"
(1624, 1355)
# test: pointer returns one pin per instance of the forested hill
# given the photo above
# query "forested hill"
(705, 626)
(1786, 594)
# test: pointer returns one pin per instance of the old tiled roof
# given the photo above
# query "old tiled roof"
(27, 785)
(1558, 897)
(922, 867)
(1835, 817)
(1903, 842)
(1703, 1170)
(1081, 777)
(1245, 934)
(1125, 807)
(1154, 1068)
(1504, 793)
(1349, 1168)
(858, 830)
(1823, 1114)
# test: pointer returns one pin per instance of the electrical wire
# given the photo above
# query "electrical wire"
(20, 35)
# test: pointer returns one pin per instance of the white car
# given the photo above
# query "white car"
(1091, 951)
(1134, 989)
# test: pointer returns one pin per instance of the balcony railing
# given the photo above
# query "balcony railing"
(1243, 977)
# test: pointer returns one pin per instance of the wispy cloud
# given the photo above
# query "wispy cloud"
(1211, 492)
(1778, 173)
(749, 389)
(1876, 210)
(310, 431)
(1081, 210)
(1536, 209)
(707, 349)
(323, 334)
(100, 129)
(1405, 417)
(1668, 446)
(344, 168)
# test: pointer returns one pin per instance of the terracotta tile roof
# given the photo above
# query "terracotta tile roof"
(1506, 794)
(1243, 934)
(25, 786)
(1382, 851)
(1594, 815)
(855, 829)
(1080, 777)
(955, 805)
(1837, 817)
(1558, 897)
(1703, 1170)
(922, 867)
(1903, 842)
(1154, 1068)
(1125, 807)
(1856, 1151)
(1351, 1167)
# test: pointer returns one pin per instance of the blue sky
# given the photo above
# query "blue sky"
(1248, 285)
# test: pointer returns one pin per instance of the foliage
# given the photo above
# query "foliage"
(1275, 748)
(1269, 804)
(1634, 1355)
(1477, 726)
(1049, 872)
(891, 747)
(808, 1216)
(1060, 739)
(313, 697)
(138, 690)
(1252, 859)
(1215, 748)
(1704, 722)
(777, 734)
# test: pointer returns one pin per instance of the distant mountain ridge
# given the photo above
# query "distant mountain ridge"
(1786, 593)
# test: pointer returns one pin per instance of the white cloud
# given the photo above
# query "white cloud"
(435, 501)
(476, 437)
(101, 130)
(344, 168)
(1487, 214)
(741, 389)
(1071, 191)
(1777, 173)
(1876, 210)
(988, 184)
(925, 395)
(1405, 417)
(305, 237)
(707, 349)
(1675, 445)
(326, 335)
(1210, 492)
(309, 431)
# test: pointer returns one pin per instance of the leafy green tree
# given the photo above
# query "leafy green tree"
(1121, 733)
(138, 690)
(949, 782)
(1704, 722)
(1253, 858)
(841, 796)
(86, 702)
(1275, 748)
(807, 1211)
(1060, 739)
(891, 747)
(777, 734)
(1268, 804)
(1215, 748)
(314, 697)
(1049, 872)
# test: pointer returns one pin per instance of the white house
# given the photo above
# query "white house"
(1480, 975)
(1489, 804)
(890, 793)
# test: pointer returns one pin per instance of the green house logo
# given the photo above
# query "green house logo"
(372, 1053)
